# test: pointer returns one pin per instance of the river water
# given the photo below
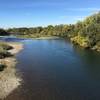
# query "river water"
(57, 70)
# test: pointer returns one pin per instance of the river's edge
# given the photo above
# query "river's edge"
(39, 38)
(48, 38)
(8, 78)
(84, 43)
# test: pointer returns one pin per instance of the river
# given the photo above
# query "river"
(57, 70)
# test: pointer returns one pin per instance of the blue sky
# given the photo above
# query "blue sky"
(30, 13)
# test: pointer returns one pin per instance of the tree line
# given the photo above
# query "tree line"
(58, 30)
(85, 33)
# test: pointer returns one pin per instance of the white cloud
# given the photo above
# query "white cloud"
(83, 9)
(73, 17)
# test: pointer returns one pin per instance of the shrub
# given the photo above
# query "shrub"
(3, 50)
(5, 46)
(2, 67)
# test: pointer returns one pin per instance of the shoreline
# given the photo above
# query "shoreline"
(39, 38)
(9, 81)
(44, 38)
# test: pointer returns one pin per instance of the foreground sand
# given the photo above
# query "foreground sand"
(8, 78)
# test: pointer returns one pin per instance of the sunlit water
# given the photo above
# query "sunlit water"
(57, 70)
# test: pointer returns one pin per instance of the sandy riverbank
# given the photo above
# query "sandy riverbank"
(48, 37)
(8, 79)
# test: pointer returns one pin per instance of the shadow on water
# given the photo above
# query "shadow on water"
(90, 58)
(10, 39)
(57, 70)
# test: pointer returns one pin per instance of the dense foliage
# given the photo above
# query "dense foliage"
(88, 32)
(58, 30)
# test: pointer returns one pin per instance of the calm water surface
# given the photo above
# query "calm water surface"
(56, 70)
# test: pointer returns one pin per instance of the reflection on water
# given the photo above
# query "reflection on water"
(56, 70)
(10, 39)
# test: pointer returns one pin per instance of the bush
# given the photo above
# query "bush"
(3, 50)
(5, 46)
(2, 67)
